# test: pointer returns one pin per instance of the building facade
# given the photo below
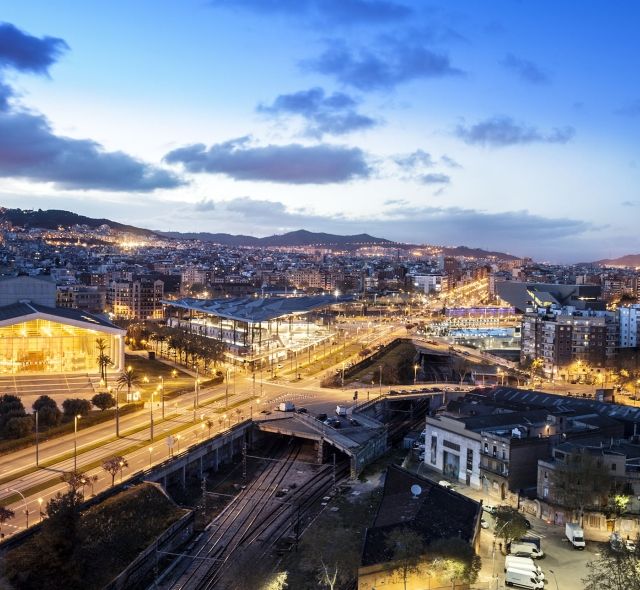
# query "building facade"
(136, 300)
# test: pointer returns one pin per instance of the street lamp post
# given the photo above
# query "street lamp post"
(75, 441)
(380, 380)
(415, 373)
(150, 451)
(162, 394)
(554, 577)
(40, 501)
(37, 441)
(151, 416)
(226, 390)
(24, 501)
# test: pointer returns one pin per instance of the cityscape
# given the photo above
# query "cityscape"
(319, 294)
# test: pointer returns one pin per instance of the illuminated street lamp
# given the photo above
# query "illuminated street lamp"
(40, 501)
(75, 441)
(415, 373)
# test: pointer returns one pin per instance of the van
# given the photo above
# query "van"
(522, 579)
(523, 563)
(341, 410)
(526, 550)
(286, 407)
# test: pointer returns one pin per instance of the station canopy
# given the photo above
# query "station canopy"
(258, 309)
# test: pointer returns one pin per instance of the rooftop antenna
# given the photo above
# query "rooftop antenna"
(416, 490)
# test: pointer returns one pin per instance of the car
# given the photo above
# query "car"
(489, 508)
(484, 524)
(321, 417)
(445, 484)
(302, 411)
(354, 422)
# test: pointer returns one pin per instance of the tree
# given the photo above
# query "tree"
(103, 401)
(407, 548)
(509, 524)
(10, 407)
(103, 358)
(76, 407)
(48, 412)
(5, 514)
(128, 378)
(454, 560)
(579, 481)
(18, 427)
(113, 465)
(613, 570)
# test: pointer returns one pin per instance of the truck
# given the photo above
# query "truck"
(525, 549)
(341, 410)
(522, 579)
(573, 531)
(286, 407)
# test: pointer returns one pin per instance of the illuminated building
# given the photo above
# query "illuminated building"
(38, 338)
(136, 300)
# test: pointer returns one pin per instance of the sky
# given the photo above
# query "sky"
(505, 124)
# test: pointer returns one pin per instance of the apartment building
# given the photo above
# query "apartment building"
(136, 300)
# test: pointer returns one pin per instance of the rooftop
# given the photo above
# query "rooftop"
(257, 309)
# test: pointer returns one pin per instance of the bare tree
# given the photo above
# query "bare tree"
(113, 465)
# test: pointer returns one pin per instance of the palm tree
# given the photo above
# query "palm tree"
(127, 379)
(103, 358)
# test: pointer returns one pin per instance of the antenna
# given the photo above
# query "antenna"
(416, 490)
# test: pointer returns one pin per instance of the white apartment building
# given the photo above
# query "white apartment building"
(431, 283)
(629, 320)
(453, 450)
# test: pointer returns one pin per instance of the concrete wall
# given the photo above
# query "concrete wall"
(23, 288)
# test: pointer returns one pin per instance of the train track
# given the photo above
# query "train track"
(225, 532)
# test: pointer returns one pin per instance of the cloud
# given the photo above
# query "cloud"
(29, 149)
(289, 164)
(334, 114)
(504, 131)
(392, 61)
(417, 159)
(631, 109)
(630, 203)
(6, 92)
(526, 70)
(435, 179)
(449, 162)
(205, 205)
(26, 53)
(336, 12)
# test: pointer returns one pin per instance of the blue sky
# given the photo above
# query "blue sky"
(507, 125)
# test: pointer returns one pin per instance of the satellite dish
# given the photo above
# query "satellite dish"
(416, 490)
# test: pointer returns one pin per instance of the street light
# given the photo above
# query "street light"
(162, 394)
(151, 416)
(75, 441)
(554, 577)
(40, 500)
(150, 451)
(415, 373)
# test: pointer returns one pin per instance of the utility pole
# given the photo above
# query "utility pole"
(244, 460)
(37, 441)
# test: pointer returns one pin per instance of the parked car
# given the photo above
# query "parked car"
(302, 411)
(445, 484)
(489, 508)
(321, 417)
(354, 422)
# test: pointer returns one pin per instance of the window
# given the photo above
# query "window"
(495, 451)
(486, 447)
(613, 466)
(451, 445)
(469, 459)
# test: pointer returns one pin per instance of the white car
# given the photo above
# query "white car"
(445, 484)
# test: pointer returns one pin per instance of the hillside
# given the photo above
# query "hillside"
(54, 218)
(632, 260)
(295, 238)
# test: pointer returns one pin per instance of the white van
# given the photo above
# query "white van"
(341, 410)
(522, 563)
(526, 550)
(522, 579)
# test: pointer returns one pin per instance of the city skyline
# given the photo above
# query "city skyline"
(440, 125)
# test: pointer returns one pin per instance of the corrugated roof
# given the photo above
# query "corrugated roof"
(21, 311)
(257, 309)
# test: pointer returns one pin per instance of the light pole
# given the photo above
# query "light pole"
(150, 451)
(226, 390)
(37, 441)
(151, 416)
(493, 552)
(380, 380)
(24, 500)
(415, 373)
(75, 441)
(40, 501)
(554, 577)
(162, 394)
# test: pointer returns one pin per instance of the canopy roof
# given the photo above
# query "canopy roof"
(257, 309)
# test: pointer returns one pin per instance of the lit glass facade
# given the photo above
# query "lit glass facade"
(43, 346)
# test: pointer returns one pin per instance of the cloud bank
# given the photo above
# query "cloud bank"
(503, 131)
(525, 70)
(289, 164)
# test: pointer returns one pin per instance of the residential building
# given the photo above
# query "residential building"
(136, 300)
(92, 299)
(629, 322)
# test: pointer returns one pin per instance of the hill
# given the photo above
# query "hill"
(295, 238)
(54, 218)
(632, 260)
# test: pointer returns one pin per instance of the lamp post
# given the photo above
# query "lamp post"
(493, 552)
(24, 501)
(226, 390)
(162, 394)
(150, 451)
(380, 380)
(151, 416)
(37, 441)
(40, 500)
(554, 577)
(75, 441)
(415, 373)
